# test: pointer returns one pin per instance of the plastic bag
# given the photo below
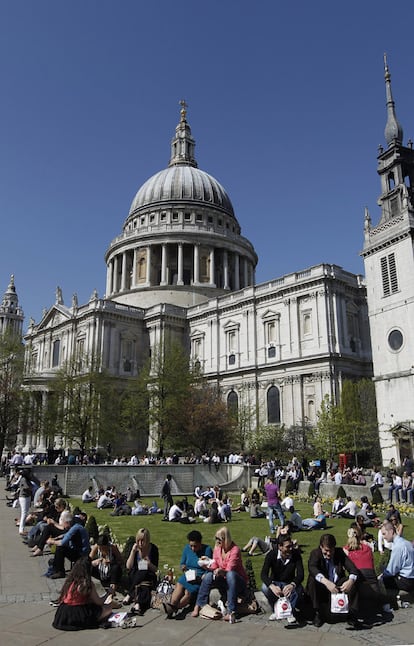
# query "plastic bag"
(283, 609)
(339, 603)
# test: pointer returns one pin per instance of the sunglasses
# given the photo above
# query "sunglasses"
(217, 538)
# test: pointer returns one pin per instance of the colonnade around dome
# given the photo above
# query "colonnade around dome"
(178, 264)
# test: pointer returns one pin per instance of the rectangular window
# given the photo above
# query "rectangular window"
(231, 339)
(389, 275)
(271, 332)
(196, 349)
(56, 353)
(80, 352)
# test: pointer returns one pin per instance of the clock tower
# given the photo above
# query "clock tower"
(389, 268)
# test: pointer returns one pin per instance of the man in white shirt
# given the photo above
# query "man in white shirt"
(396, 486)
(349, 510)
(104, 501)
(287, 503)
(87, 495)
(338, 477)
(174, 513)
(16, 460)
(377, 480)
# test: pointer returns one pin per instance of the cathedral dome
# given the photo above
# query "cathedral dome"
(181, 241)
(182, 183)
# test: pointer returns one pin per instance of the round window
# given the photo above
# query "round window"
(395, 340)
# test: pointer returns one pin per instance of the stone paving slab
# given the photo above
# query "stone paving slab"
(26, 615)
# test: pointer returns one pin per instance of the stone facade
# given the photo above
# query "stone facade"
(181, 267)
(389, 267)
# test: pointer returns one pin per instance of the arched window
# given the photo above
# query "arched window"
(307, 323)
(233, 403)
(273, 405)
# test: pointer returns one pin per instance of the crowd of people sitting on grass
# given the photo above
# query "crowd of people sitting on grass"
(341, 581)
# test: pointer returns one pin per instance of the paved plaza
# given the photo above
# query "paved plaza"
(26, 616)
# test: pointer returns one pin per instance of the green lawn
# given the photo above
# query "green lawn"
(171, 537)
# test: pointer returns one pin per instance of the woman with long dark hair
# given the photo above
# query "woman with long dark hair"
(80, 606)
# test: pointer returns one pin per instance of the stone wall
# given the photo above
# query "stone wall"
(331, 490)
(148, 479)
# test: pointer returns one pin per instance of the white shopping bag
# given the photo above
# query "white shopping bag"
(339, 603)
(282, 608)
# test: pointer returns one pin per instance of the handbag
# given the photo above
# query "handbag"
(162, 594)
(339, 603)
(209, 612)
(282, 608)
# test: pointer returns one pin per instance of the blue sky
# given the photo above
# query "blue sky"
(286, 103)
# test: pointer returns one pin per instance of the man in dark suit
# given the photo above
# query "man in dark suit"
(282, 574)
(328, 567)
(166, 495)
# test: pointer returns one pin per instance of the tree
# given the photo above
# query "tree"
(134, 418)
(328, 438)
(351, 411)
(360, 420)
(83, 404)
(11, 377)
(270, 441)
(244, 416)
(351, 426)
(207, 426)
(159, 395)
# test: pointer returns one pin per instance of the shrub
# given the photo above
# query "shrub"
(341, 492)
(128, 547)
(289, 486)
(251, 585)
(92, 527)
(377, 498)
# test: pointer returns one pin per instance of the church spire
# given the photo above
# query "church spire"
(183, 144)
(11, 314)
(393, 130)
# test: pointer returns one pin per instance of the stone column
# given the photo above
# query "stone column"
(196, 261)
(134, 269)
(109, 271)
(212, 268)
(115, 276)
(148, 273)
(236, 271)
(180, 263)
(163, 264)
(246, 272)
(226, 269)
(124, 270)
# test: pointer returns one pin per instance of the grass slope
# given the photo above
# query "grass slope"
(171, 537)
